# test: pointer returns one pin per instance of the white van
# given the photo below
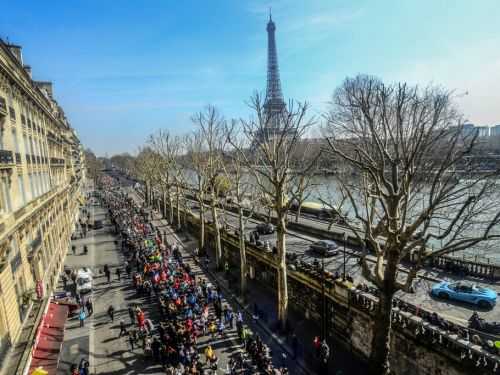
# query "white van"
(84, 281)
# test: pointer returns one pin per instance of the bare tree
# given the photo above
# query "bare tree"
(93, 165)
(147, 168)
(303, 182)
(212, 130)
(273, 164)
(408, 149)
(195, 157)
(168, 148)
(242, 197)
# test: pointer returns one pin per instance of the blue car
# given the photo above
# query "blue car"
(465, 292)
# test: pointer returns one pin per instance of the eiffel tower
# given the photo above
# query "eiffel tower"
(274, 105)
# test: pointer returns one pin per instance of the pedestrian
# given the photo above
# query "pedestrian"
(123, 329)
(295, 345)
(84, 367)
(131, 341)
(128, 269)
(81, 317)
(220, 328)
(230, 318)
(111, 312)
(90, 306)
(108, 275)
(131, 314)
(118, 273)
(209, 353)
(65, 280)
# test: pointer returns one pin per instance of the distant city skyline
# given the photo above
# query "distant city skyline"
(123, 71)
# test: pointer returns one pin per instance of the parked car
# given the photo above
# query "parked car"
(325, 247)
(84, 281)
(98, 224)
(265, 228)
(465, 292)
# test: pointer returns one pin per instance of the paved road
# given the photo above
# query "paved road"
(298, 243)
(98, 340)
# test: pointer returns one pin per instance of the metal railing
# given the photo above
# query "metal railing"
(6, 157)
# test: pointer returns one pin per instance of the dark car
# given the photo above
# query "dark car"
(265, 228)
(98, 224)
(325, 247)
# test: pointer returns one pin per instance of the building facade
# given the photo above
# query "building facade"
(41, 177)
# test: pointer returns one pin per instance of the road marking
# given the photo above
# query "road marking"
(91, 325)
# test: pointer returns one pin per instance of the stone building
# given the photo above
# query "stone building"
(41, 177)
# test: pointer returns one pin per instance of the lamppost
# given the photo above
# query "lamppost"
(345, 240)
(323, 302)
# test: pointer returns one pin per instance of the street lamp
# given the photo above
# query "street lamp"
(323, 302)
(345, 240)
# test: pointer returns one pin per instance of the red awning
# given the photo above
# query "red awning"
(50, 338)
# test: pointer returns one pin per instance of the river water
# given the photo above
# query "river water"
(326, 188)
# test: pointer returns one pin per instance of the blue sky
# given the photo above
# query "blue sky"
(122, 69)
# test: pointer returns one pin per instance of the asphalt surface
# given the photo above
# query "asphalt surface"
(298, 243)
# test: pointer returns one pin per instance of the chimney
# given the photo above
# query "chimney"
(16, 51)
(28, 70)
(45, 86)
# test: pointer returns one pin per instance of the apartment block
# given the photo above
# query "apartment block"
(41, 177)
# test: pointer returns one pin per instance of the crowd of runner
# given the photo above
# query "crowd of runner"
(190, 307)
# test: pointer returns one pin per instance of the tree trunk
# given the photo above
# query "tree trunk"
(282, 272)
(164, 205)
(202, 225)
(146, 193)
(170, 209)
(381, 341)
(178, 198)
(243, 256)
(297, 215)
(218, 243)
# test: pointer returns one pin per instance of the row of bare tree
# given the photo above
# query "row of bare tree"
(399, 147)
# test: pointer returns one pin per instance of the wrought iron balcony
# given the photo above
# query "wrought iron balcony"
(3, 107)
(6, 158)
(57, 162)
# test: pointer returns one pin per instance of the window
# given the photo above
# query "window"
(15, 143)
(32, 190)
(20, 182)
(25, 144)
(5, 189)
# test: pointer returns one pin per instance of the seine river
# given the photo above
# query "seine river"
(326, 189)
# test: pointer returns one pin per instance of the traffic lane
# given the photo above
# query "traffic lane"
(454, 311)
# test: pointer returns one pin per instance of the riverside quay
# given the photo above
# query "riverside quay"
(249, 188)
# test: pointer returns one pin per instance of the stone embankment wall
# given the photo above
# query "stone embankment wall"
(418, 347)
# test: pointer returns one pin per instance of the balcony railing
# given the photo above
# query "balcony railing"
(56, 162)
(3, 107)
(6, 158)
(18, 158)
